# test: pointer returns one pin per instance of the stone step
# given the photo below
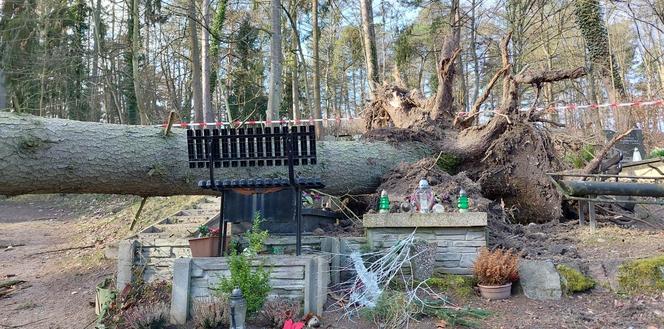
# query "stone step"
(156, 235)
(208, 206)
(197, 212)
(183, 230)
(199, 220)
(212, 199)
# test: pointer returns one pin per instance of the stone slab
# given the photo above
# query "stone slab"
(539, 280)
(448, 219)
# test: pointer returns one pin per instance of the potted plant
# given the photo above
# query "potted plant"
(206, 244)
(495, 271)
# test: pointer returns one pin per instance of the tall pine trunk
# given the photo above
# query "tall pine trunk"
(208, 115)
(369, 35)
(316, 58)
(196, 82)
(274, 97)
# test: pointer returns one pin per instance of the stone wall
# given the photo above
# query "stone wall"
(458, 236)
(156, 256)
(304, 278)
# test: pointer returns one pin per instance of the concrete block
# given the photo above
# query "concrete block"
(448, 256)
(475, 235)
(126, 250)
(455, 270)
(459, 250)
(332, 247)
(322, 281)
(448, 263)
(467, 260)
(474, 243)
(448, 219)
(180, 291)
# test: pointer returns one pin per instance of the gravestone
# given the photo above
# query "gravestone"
(628, 143)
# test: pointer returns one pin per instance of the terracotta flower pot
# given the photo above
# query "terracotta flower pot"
(204, 247)
(496, 292)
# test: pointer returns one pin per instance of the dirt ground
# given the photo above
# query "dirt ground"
(59, 288)
(57, 293)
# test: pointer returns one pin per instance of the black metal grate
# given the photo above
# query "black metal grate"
(251, 147)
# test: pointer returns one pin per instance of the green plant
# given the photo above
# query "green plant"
(497, 267)
(391, 311)
(394, 309)
(579, 160)
(461, 286)
(657, 153)
(642, 275)
(255, 236)
(573, 281)
(448, 163)
(254, 284)
(211, 313)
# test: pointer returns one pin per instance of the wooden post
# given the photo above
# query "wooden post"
(169, 123)
(582, 212)
(591, 215)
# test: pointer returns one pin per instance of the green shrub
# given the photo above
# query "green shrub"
(390, 309)
(642, 275)
(579, 160)
(255, 285)
(657, 153)
(461, 286)
(255, 236)
(573, 281)
(448, 163)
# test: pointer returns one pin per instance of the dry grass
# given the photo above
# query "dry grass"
(497, 267)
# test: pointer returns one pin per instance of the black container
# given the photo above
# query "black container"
(277, 209)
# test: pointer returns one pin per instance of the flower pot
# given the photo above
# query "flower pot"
(496, 292)
(204, 247)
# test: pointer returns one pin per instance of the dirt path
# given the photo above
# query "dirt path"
(58, 293)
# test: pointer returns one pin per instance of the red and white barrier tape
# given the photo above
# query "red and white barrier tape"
(568, 107)
(574, 106)
(257, 122)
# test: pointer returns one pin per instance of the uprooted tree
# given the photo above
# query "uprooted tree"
(509, 156)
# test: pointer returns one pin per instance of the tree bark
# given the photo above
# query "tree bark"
(60, 156)
(316, 59)
(369, 35)
(135, 51)
(196, 83)
(274, 97)
(208, 115)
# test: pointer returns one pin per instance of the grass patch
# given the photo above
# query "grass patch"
(579, 160)
(573, 281)
(449, 163)
(459, 285)
(642, 275)
(656, 153)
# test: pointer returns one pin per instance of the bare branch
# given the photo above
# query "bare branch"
(530, 77)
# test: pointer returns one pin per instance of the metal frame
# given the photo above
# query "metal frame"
(589, 201)
(284, 146)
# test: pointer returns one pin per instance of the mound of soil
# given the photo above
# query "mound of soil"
(403, 180)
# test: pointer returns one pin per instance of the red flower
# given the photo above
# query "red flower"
(290, 325)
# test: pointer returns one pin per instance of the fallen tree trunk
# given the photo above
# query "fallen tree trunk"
(42, 155)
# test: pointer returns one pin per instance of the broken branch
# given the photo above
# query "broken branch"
(530, 77)
(592, 165)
